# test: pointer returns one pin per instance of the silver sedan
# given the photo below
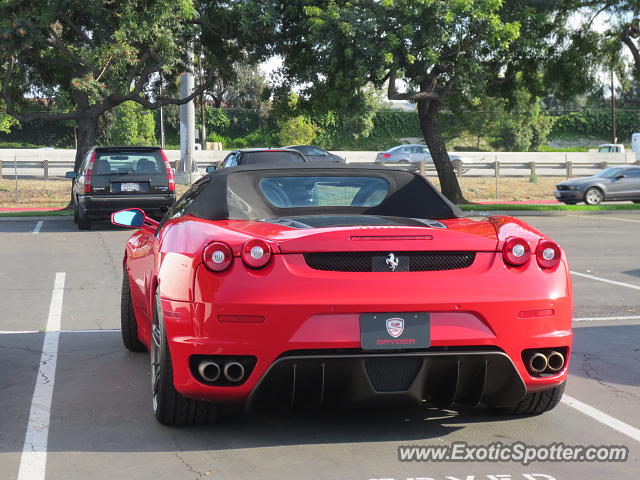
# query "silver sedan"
(614, 183)
(412, 154)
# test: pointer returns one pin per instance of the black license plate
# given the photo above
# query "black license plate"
(383, 331)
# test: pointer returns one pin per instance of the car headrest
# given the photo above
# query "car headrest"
(102, 166)
(145, 165)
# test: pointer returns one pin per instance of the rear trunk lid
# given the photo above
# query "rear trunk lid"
(129, 173)
(357, 233)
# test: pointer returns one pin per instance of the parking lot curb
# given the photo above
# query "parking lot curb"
(31, 219)
(547, 213)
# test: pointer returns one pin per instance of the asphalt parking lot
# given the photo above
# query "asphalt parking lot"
(101, 425)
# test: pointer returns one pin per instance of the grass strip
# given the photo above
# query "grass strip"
(503, 207)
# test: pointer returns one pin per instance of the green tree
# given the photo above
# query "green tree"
(131, 125)
(89, 56)
(442, 52)
(6, 121)
(297, 131)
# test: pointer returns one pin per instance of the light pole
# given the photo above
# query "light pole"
(614, 135)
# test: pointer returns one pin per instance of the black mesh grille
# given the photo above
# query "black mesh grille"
(392, 374)
(364, 261)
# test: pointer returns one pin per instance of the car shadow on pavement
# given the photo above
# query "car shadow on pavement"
(102, 402)
(633, 273)
(54, 225)
(607, 354)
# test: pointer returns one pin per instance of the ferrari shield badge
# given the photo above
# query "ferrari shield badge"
(395, 326)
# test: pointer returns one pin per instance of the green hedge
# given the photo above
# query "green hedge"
(248, 128)
(597, 123)
(41, 133)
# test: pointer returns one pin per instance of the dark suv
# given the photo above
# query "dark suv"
(115, 178)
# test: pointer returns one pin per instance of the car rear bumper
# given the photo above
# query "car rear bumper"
(312, 319)
(104, 205)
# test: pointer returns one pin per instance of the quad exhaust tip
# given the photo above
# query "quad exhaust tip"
(209, 370)
(555, 361)
(538, 363)
(233, 371)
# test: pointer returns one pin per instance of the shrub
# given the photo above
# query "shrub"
(131, 125)
(297, 131)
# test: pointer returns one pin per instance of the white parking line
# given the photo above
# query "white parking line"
(15, 332)
(100, 330)
(37, 228)
(620, 219)
(595, 319)
(612, 282)
(596, 217)
(34, 452)
(602, 417)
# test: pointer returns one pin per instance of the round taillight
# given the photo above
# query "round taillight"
(255, 253)
(516, 251)
(217, 256)
(548, 254)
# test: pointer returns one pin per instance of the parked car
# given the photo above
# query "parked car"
(115, 178)
(259, 156)
(316, 154)
(413, 154)
(613, 183)
(611, 148)
(377, 290)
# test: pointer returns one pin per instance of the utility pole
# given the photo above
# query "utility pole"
(203, 121)
(614, 135)
(161, 119)
(187, 128)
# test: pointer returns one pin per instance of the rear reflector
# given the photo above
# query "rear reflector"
(535, 313)
(241, 318)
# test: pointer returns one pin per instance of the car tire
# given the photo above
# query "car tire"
(535, 403)
(169, 407)
(128, 322)
(83, 220)
(75, 210)
(593, 196)
(635, 201)
(457, 165)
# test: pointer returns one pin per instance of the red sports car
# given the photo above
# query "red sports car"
(314, 286)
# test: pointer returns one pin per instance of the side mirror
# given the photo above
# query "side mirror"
(133, 218)
(211, 168)
(618, 177)
(70, 175)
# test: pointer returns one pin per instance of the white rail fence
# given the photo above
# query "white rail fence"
(52, 164)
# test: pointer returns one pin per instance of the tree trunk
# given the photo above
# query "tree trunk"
(427, 112)
(86, 138)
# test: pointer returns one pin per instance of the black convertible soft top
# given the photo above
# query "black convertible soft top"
(233, 193)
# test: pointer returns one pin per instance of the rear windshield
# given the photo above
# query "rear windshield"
(122, 163)
(292, 192)
(253, 158)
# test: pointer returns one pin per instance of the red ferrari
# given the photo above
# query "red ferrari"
(312, 286)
